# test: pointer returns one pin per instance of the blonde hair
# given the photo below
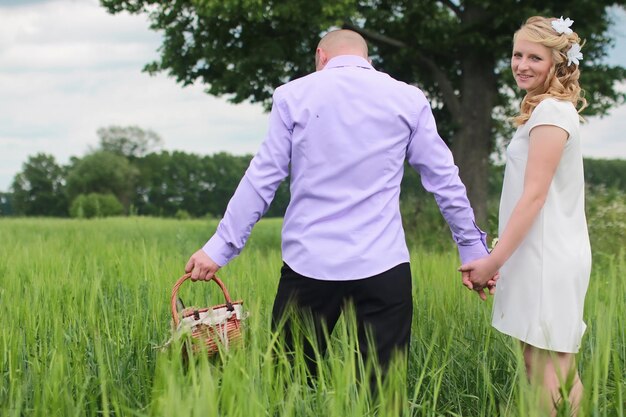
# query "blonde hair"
(562, 81)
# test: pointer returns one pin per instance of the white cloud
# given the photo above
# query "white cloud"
(68, 68)
(63, 112)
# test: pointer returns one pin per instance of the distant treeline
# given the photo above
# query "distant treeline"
(165, 184)
(123, 177)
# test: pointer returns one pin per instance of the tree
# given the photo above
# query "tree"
(102, 172)
(39, 190)
(170, 182)
(200, 185)
(6, 206)
(455, 50)
(131, 141)
(610, 173)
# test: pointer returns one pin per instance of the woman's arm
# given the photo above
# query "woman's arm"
(545, 149)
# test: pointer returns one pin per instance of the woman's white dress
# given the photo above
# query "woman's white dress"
(541, 292)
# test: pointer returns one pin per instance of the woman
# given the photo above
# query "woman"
(543, 253)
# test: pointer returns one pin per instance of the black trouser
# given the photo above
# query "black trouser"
(383, 305)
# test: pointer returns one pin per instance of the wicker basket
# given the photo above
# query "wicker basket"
(217, 327)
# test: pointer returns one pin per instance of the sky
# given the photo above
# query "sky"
(67, 68)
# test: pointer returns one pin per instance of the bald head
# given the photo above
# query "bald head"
(339, 42)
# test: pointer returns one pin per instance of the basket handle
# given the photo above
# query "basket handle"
(229, 303)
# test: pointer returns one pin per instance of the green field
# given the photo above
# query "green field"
(85, 306)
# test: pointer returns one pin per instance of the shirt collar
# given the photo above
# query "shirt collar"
(348, 61)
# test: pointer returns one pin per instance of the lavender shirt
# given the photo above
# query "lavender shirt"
(343, 134)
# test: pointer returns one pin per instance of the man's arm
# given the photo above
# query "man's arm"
(251, 199)
(428, 154)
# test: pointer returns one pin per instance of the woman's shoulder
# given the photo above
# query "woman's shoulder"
(551, 111)
(555, 106)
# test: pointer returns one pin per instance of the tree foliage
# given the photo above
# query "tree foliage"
(39, 189)
(6, 204)
(609, 173)
(171, 184)
(201, 185)
(102, 172)
(456, 51)
(128, 141)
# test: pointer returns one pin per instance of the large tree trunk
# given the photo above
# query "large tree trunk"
(472, 143)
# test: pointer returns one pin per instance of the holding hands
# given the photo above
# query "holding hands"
(480, 274)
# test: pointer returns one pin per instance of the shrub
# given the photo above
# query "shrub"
(182, 214)
(95, 205)
(606, 219)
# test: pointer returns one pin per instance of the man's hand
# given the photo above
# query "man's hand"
(480, 291)
(465, 276)
(201, 266)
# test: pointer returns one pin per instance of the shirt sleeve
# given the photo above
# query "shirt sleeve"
(429, 155)
(255, 192)
(557, 113)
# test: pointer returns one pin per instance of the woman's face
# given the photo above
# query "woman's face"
(531, 63)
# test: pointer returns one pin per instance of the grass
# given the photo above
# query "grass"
(85, 307)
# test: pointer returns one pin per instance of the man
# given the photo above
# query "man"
(343, 134)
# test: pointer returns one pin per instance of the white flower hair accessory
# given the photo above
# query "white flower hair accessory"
(562, 26)
(574, 54)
